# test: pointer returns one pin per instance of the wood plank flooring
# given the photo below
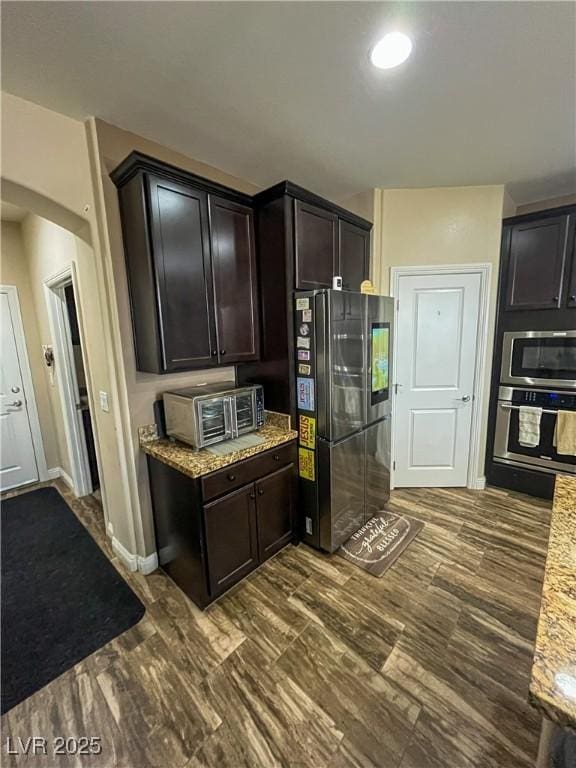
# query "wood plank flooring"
(312, 662)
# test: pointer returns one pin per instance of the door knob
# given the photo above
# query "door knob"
(15, 404)
(465, 399)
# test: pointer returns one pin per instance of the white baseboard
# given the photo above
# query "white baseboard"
(135, 562)
(478, 484)
(148, 564)
(129, 560)
(55, 472)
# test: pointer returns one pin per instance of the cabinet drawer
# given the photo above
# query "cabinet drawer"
(237, 475)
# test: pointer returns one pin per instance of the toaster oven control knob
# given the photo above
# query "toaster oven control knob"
(231, 477)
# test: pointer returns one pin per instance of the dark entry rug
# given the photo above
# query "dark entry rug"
(380, 542)
(61, 597)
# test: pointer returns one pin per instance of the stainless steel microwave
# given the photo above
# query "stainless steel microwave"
(211, 413)
(539, 358)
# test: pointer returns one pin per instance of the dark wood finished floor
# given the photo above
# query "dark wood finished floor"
(312, 662)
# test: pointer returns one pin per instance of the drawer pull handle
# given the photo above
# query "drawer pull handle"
(276, 457)
(260, 492)
(231, 477)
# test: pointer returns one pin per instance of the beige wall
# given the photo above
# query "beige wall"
(14, 271)
(542, 205)
(454, 225)
(46, 170)
(362, 204)
(109, 146)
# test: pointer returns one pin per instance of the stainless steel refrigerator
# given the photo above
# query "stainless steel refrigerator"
(343, 350)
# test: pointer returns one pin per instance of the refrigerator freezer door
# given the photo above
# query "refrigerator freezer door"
(378, 460)
(378, 335)
(340, 363)
(342, 478)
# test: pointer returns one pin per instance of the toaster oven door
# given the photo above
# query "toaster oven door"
(214, 420)
(244, 412)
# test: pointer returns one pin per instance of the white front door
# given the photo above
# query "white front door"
(17, 458)
(436, 341)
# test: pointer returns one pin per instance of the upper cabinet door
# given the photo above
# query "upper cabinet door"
(354, 252)
(181, 254)
(316, 238)
(235, 284)
(571, 256)
(536, 264)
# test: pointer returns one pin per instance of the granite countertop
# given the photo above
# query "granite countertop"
(553, 682)
(275, 431)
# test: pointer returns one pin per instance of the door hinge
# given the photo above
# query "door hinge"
(397, 305)
(393, 465)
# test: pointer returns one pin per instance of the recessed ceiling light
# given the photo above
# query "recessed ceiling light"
(392, 50)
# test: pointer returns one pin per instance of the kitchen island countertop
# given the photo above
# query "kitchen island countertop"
(553, 681)
(183, 458)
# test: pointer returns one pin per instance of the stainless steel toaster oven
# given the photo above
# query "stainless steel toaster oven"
(211, 413)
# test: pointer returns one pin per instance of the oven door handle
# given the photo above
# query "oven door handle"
(517, 408)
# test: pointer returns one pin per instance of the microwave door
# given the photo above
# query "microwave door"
(214, 420)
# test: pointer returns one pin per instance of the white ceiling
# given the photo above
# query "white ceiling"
(274, 90)
(9, 212)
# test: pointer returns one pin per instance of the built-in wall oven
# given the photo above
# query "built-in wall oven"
(543, 457)
(539, 359)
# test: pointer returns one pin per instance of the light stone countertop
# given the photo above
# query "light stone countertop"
(553, 681)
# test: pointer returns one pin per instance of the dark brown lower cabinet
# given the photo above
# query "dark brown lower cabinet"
(274, 511)
(231, 538)
(213, 531)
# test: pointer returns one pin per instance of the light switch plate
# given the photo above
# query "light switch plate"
(104, 404)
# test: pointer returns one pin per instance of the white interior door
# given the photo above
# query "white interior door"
(17, 458)
(436, 343)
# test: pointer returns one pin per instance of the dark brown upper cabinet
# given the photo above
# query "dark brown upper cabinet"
(191, 267)
(303, 241)
(354, 253)
(536, 266)
(316, 236)
(571, 254)
(235, 284)
(572, 284)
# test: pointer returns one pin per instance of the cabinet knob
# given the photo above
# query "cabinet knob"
(276, 457)
(222, 351)
(260, 492)
(556, 298)
(214, 352)
(572, 298)
(231, 477)
(252, 495)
